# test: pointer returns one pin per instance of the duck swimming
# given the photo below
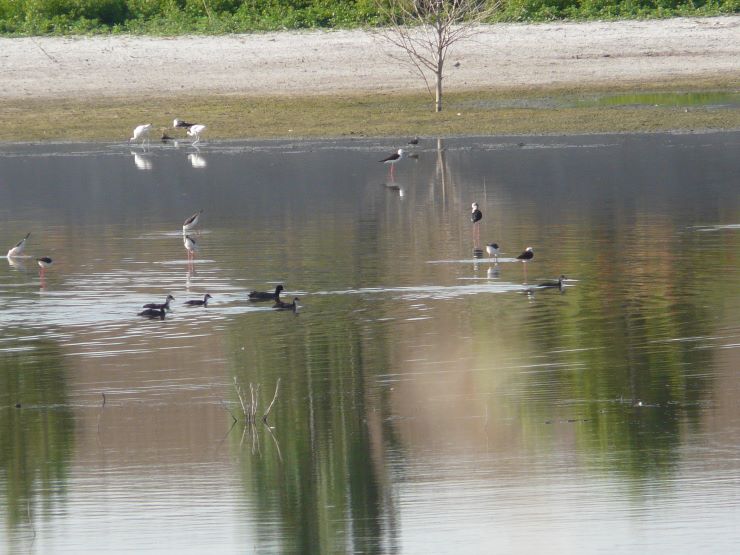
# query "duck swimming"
(558, 283)
(203, 303)
(280, 305)
(266, 295)
(153, 313)
(161, 306)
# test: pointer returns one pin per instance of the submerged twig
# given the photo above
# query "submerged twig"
(274, 398)
(250, 405)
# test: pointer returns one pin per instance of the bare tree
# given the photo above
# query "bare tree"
(426, 29)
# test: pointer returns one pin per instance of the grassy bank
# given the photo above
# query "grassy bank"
(176, 17)
(521, 111)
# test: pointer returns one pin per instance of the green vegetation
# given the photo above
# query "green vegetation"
(172, 17)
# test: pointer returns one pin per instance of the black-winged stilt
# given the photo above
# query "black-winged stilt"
(266, 295)
(203, 303)
(161, 306)
(190, 246)
(19, 247)
(141, 132)
(153, 313)
(414, 141)
(393, 159)
(475, 214)
(528, 254)
(280, 305)
(191, 221)
(195, 131)
(44, 262)
(492, 250)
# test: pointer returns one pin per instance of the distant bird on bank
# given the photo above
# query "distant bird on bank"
(141, 132)
(195, 131)
(552, 283)
(492, 250)
(414, 141)
(280, 305)
(266, 295)
(179, 124)
(192, 221)
(161, 306)
(19, 247)
(528, 254)
(203, 303)
(393, 159)
(475, 214)
(153, 313)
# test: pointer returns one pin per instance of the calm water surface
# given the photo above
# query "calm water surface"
(430, 401)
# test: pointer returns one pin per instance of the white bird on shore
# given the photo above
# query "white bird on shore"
(141, 132)
(19, 247)
(195, 131)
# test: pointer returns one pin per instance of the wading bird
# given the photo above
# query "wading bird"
(393, 159)
(195, 130)
(141, 132)
(19, 247)
(192, 221)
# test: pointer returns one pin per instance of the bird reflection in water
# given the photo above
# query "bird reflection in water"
(197, 161)
(142, 162)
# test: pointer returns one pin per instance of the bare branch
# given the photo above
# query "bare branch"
(425, 30)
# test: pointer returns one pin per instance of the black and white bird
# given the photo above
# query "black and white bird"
(153, 313)
(553, 283)
(190, 246)
(19, 247)
(266, 295)
(203, 303)
(195, 130)
(414, 141)
(393, 159)
(528, 254)
(161, 306)
(280, 305)
(475, 214)
(179, 124)
(141, 132)
(44, 262)
(492, 250)
(192, 221)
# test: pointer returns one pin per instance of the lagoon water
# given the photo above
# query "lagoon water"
(430, 401)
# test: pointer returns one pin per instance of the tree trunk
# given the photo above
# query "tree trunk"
(438, 95)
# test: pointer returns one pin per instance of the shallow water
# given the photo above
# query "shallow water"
(429, 400)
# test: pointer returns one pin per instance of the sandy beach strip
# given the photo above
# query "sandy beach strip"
(330, 62)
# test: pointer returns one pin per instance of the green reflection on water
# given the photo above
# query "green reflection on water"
(324, 485)
(37, 438)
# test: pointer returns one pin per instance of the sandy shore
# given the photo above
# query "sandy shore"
(501, 56)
